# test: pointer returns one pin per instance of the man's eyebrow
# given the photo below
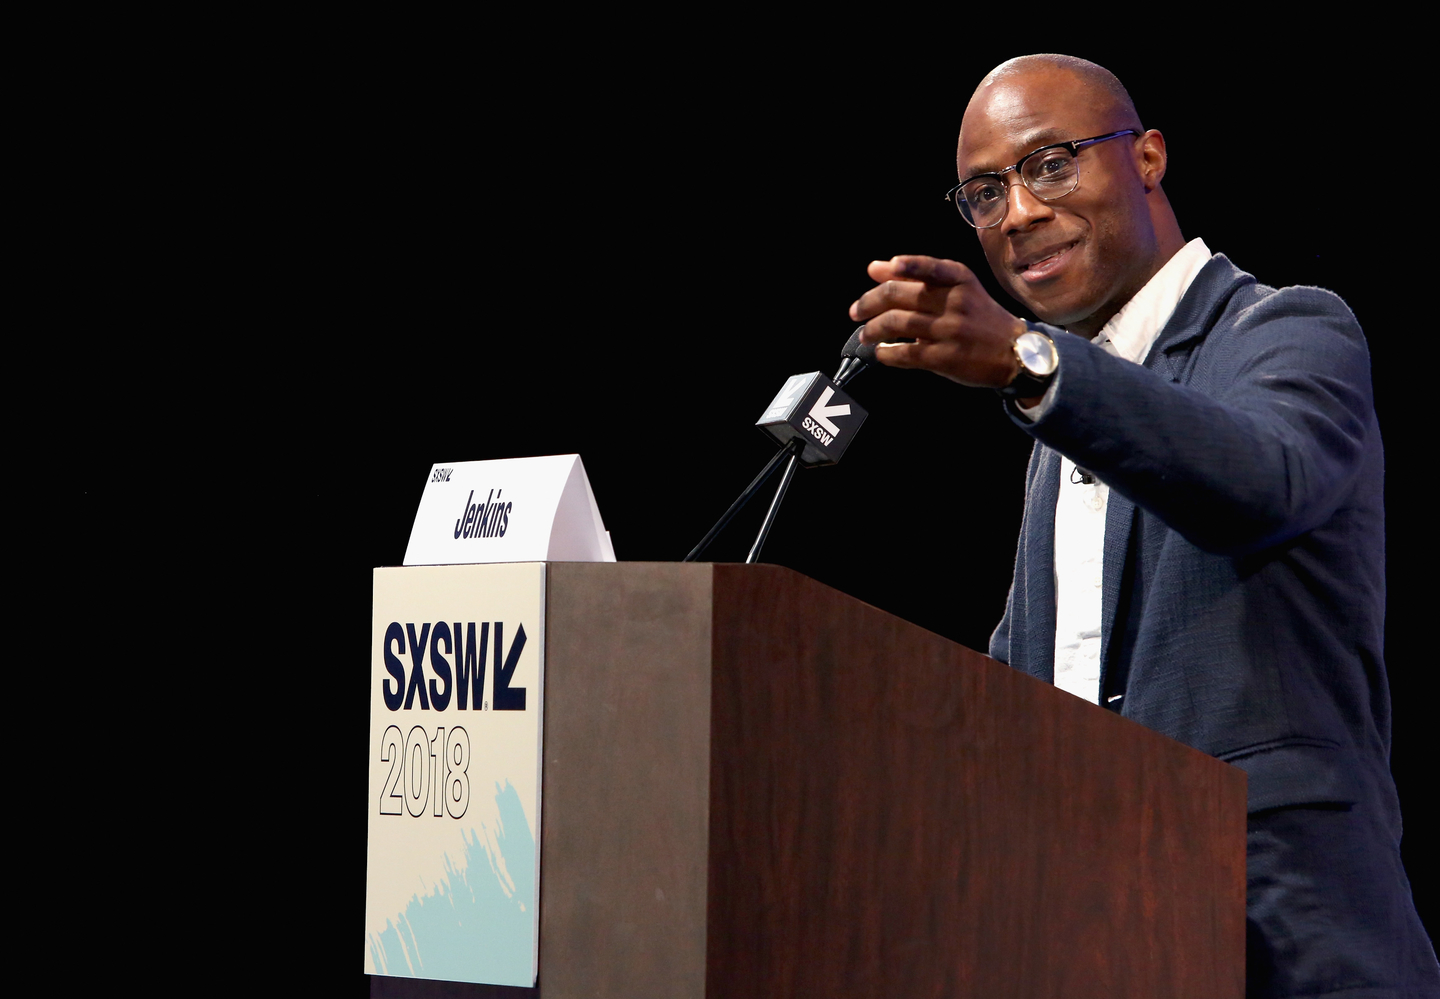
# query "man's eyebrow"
(1038, 139)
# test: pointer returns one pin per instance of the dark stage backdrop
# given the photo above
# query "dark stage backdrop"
(628, 260)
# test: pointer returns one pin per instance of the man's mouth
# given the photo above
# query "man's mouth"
(1046, 264)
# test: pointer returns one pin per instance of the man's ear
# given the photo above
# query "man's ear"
(1150, 159)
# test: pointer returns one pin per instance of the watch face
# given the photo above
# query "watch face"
(1036, 353)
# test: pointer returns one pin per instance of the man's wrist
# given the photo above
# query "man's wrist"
(1036, 361)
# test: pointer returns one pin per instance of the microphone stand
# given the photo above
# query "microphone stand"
(791, 450)
(775, 503)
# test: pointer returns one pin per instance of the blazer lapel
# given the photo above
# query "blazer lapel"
(1039, 593)
(1197, 311)
(1119, 523)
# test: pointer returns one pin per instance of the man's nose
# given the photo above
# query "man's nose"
(1024, 209)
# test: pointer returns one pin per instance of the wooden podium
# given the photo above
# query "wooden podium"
(756, 786)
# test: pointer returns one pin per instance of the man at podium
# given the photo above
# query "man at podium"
(1202, 547)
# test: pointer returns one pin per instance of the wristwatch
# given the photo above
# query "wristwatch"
(1038, 361)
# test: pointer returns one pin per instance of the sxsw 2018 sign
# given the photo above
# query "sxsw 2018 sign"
(457, 674)
(445, 757)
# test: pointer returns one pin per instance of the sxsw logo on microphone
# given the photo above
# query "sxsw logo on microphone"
(812, 408)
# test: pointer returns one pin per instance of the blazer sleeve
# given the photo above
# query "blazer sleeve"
(1239, 439)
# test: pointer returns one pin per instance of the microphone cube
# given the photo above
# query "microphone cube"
(811, 407)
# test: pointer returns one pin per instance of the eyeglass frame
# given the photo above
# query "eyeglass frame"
(1075, 145)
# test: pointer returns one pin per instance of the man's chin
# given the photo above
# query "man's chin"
(1051, 311)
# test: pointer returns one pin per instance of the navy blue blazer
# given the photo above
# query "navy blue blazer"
(1244, 566)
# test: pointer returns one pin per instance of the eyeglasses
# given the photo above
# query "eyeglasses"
(1050, 172)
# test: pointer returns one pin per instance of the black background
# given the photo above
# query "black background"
(451, 250)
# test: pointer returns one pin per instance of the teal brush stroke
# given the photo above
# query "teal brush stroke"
(477, 925)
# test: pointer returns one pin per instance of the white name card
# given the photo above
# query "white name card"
(508, 510)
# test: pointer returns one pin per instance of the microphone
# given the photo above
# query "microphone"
(815, 411)
(803, 418)
(855, 357)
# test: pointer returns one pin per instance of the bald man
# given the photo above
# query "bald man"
(1203, 542)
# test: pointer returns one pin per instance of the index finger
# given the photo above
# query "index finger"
(911, 267)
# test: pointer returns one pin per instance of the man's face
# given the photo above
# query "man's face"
(1082, 256)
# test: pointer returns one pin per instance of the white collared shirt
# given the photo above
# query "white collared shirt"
(1080, 507)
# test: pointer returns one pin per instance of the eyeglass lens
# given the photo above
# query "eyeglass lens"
(1048, 173)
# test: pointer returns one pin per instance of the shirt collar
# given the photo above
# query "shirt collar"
(1134, 328)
